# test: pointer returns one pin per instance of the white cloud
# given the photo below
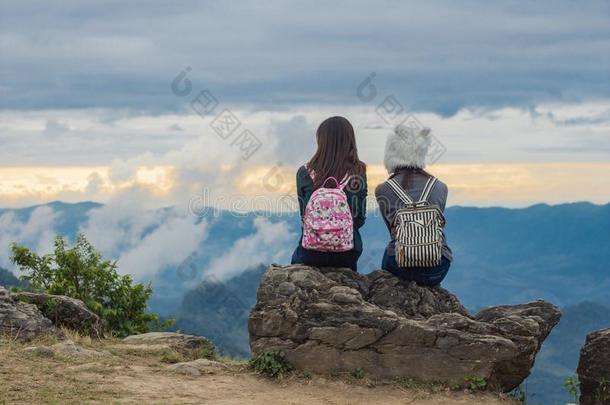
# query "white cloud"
(36, 232)
(295, 138)
(268, 244)
(198, 158)
(145, 241)
(121, 224)
(54, 127)
(167, 245)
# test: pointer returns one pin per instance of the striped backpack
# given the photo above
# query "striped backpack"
(418, 228)
(328, 225)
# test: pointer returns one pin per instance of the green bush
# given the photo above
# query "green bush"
(80, 272)
(357, 373)
(573, 386)
(475, 383)
(272, 363)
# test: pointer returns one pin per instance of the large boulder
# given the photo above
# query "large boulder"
(335, 320)
(21, 320)
(65, 311)
(594, 369)
(26, 315)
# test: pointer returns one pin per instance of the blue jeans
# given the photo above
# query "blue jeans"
(427, 276)
(326, 259)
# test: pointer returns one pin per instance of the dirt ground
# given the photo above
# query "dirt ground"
(125, 375)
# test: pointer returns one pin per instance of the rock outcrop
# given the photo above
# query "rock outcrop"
(175, 341)
(69, 349)
(198, 367)
(334, 320)
(21, 320)
(65, 311)
(25, 315)
(594, 369)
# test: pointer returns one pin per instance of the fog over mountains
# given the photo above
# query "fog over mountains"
(205, 270)
(559, 253)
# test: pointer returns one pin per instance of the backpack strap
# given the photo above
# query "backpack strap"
(399, 191)
(344, 181)
(340, 185)
(425, 194)
(330, 178)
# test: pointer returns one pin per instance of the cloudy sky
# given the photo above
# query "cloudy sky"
(111, 98)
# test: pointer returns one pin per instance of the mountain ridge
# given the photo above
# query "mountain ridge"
(96, 204)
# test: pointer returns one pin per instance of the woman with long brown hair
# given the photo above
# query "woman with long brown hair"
(332, 192)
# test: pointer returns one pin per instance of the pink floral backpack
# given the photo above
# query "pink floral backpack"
(327, 223)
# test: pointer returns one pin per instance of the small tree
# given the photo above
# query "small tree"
(80, 272)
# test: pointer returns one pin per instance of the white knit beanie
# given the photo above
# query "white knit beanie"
(406, 147)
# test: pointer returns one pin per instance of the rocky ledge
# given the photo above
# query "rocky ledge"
(334, 320)
(594, 369)
(174, 341)
(26, 315)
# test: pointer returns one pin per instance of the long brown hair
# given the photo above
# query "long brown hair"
(337, 154)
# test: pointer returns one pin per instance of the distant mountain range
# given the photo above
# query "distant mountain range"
(8, 279)
(220, 310)
(70, 216)
(502, 256)
(559, 253)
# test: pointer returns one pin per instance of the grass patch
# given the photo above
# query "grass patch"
(232, 361)
(475, 383)
(408, 383)
(171, 357)
(357, 373)
(27, 378)
(272, 364)
(203, 352)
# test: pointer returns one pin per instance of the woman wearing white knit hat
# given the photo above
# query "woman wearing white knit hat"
(412, 203)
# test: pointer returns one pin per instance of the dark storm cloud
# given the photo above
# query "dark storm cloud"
(435, 57)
